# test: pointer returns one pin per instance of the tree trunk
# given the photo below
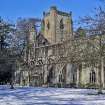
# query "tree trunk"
(100, 66)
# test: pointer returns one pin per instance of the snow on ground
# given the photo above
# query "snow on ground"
(49, 96)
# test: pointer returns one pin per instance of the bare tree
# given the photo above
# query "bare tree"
(96, 26)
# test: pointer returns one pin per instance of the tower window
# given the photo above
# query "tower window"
(61, 24)
(48, 25)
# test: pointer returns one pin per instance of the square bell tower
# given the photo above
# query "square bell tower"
(57, 25)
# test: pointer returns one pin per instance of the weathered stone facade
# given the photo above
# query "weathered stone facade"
(62, 63)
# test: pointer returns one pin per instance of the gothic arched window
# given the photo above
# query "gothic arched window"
(92, 77)
(60, 78)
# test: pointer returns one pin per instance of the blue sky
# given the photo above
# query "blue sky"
(12, 9)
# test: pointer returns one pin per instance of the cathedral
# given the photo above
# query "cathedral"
(49, 57)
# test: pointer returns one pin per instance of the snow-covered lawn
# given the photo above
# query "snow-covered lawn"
(49, 96)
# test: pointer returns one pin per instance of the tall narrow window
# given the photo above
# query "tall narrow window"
(73, 78)
(48, 25)
(92, 77)
(61, 24)
(61, 28)
(60, 78)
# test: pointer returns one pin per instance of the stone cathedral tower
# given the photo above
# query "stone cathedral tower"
(57, 25)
